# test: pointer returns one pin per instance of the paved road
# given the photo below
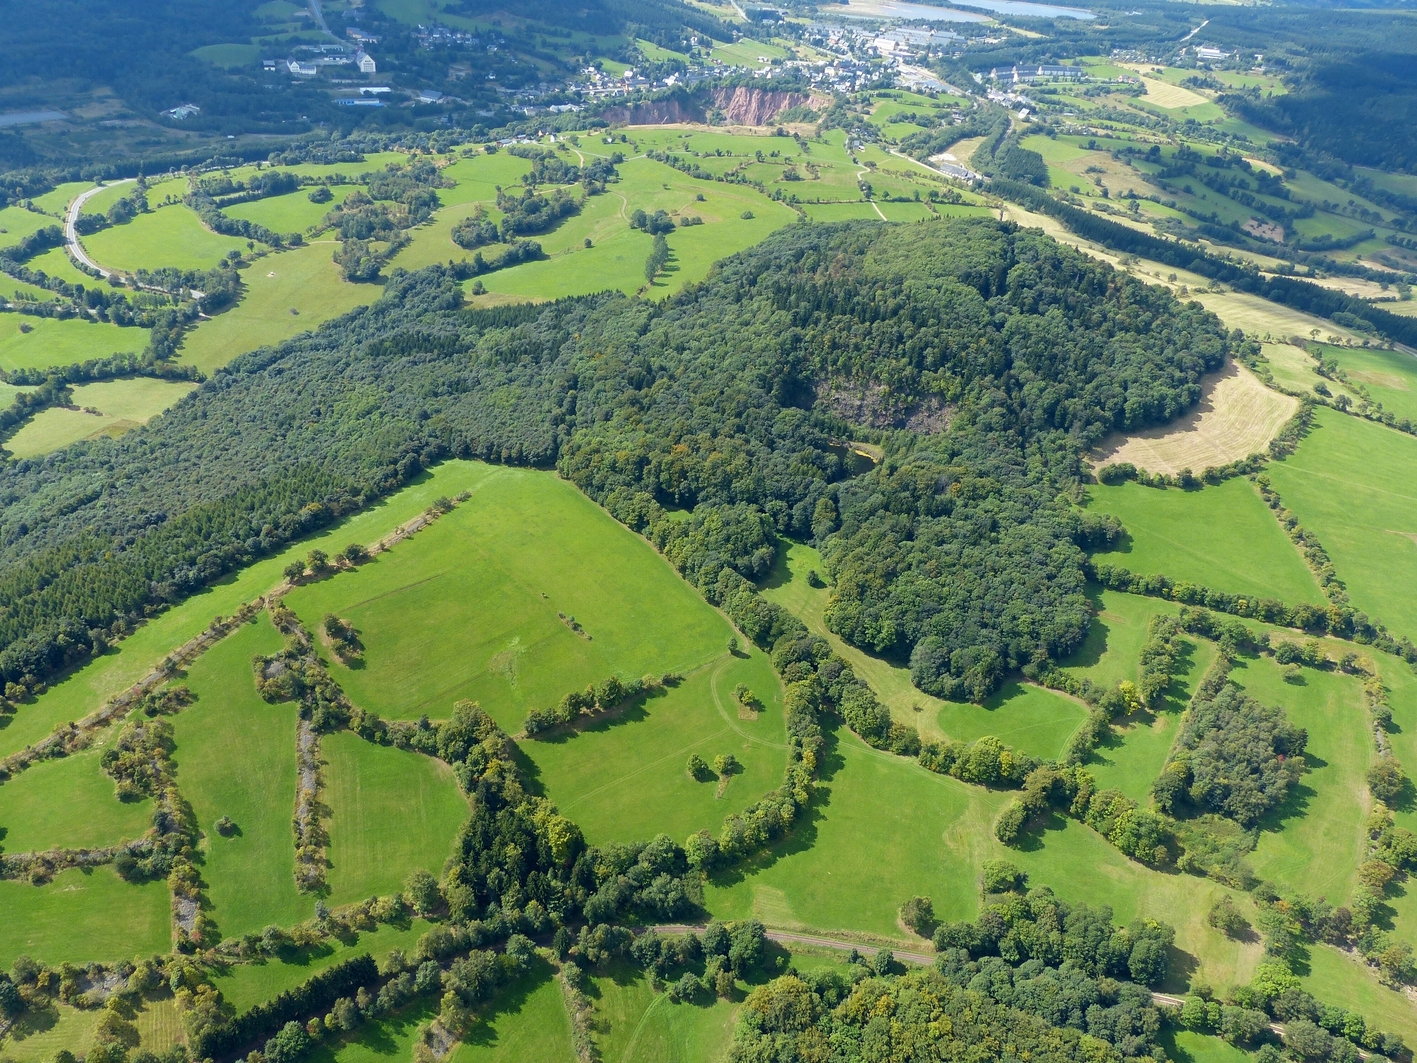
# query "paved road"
(71, 233)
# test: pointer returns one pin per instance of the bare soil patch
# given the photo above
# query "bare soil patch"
(1236, 417)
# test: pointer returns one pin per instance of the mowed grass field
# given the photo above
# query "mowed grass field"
(624, 779)
(392, 811)
(85, 689)
(286, 294)
(636, 1024)
(1236, 417)
(1350, 482)
(468, 607)
(1314, 844)
(1221, 536)
(54, 341)
(83, 916)
(68, 803)
(122, 405)
(167, 236)
(236, 757)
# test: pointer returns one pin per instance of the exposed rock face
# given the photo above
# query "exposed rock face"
(740, 106)
(745, 106)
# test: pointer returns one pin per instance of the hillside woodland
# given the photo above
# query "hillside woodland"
(961, 551)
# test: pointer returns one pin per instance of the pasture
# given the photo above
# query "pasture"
(28, 342)
(236, 757)
(1350, 483)
(527, 1021)
(1026, 717)
(1314, 843)
(1222, 536)
(787, 586)
(16, 223)
(68, 803)
(1390, 377)
(108, 408)
(286, 294)
(468, 608)
(391, 812)
(72, 919)
(290, 213)
(636, 1024)
(623, 778)
(85, 689)
(247, 984)
(57, 263)
(167, 236)
(1236, 417)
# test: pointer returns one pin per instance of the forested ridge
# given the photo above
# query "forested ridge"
(961, 550)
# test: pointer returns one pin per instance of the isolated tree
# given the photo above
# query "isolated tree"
(918, 913)
(1386, 779)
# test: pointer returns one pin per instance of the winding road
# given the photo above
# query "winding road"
(71, 232)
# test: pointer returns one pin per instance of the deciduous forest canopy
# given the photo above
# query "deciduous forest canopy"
(961, 550)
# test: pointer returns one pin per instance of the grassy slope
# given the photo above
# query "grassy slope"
(1224, 537)
(167, 236)
(1024, 716)
(787, 586)
(67, 803)
(84, 690)
(1132, 757)
(122, 405)
(1389, 376)
(286, 294)
(73, 918)
(391, 812)
(247, 984)
(236, 757)
(635, 1024)
(467, 609)
(56, 263)
(55, 341)
(290, 213)
(1350, 482)
(624, 779)
(1316, 844)
(527, 1021)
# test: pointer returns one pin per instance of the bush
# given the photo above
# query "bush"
(1226, 917)
(1000, 876)
(918, 913)
(1386, 779)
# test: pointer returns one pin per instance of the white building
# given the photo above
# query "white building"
(365, 61)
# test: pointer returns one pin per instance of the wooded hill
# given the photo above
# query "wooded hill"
(961, 550)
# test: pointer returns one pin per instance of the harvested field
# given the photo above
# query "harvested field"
(1236, 417)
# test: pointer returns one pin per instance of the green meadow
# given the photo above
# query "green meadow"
(72, 919)
(381, 1041)
(787, 586)
(85, 689)
(119, 405)
(391, 811)
(40, 342)
(468, 607)
(527, 1021)
(1336, 978)
(290, 213)
(1350, 483)
(624, 779)
(1224, 537)
(56, 263)
(1390, 377)
(236, 757)
(1315, 842)
(286, 294)
(167, 236)
(637, 1024)
(247, 984)
(1027, 717)
(16, 223)
(68, 803)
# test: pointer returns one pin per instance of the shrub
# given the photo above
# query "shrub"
(918, 913)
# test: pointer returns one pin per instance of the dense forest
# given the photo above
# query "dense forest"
(961, 551)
